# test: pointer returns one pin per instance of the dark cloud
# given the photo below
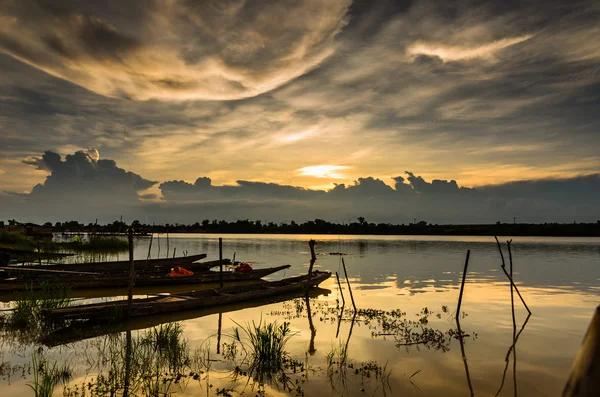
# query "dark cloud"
(80, 186)
(84, 187)
(470, 88)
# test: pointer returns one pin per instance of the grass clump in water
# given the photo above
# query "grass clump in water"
(27, 312)
(46, 377)
(99, 243)
(264, 348)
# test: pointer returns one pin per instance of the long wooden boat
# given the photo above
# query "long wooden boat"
(150, 269)
(85, 281)
(162, 263)
(34, 255)
(118, 310)
(78, 331)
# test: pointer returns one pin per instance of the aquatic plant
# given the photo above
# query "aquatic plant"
(30, 303)
(15, 239)
(168, 346)
(264, 358)
(341, 369)
(46, 376)
(96, 244)
(265, 345)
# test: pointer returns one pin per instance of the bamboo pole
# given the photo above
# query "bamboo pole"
(517, 290)
(500, 249)
(462, 286)
(349, 287)
(131, 273)
(221, 261)
(219, 333)
(174, 250)
(311, 244)
(513, 285)
(167, 242)
(340, 287)
(149, 249)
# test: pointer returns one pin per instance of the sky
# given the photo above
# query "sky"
(179, 110)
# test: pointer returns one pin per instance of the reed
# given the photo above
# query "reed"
(46, 377)
(30, 303)
(14, 238)
(264, 346)
(99, 243)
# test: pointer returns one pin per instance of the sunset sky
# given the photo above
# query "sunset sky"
(503, 97)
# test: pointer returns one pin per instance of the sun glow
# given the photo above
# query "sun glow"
(323, 171)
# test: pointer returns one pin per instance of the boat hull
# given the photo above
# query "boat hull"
(118, 310)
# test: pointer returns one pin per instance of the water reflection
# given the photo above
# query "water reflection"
(391, 345)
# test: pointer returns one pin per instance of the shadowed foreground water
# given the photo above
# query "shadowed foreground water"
(558, 278)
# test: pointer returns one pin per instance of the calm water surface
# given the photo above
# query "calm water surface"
(558, 277)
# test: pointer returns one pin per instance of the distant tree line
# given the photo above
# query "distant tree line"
(360, 226)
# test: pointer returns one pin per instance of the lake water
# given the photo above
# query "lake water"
(558, 278)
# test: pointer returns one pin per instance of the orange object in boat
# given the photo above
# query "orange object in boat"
(243, 268)
(179, 271)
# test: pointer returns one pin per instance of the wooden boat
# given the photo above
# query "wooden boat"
(78, 281)
(140, 264)
(79, 331)
(118, 310)
(34, 255)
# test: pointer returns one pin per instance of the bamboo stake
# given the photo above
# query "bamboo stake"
(221, 261)
(501, 254)
(313, 259)
(516, 289)
(313, 256)
(219, 334)
(167, 242)
(462, 286)
(340, 287)
(174, 250)
(349, 287)
(158, 241)
(510, 277)
(131, 273)
(149, 248)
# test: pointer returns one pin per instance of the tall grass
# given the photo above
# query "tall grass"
(264, 346)
(98, 243)
(46, 377)
(30, 304)
(14, 238)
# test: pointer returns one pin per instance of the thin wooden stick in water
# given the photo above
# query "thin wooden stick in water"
(174, 250)
(131, 272)
(462, 286)
(340, 287)
(167, 242)
(516, 289)
(158, 240)
(221, 261)
(219, 334)
(313, 259)
(501, 254)
(149, 248)
(349, 287)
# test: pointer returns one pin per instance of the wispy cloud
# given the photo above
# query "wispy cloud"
(450, 53)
